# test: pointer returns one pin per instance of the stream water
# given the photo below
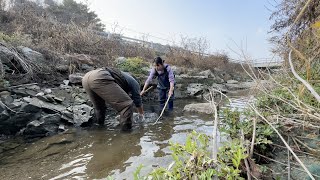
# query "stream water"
(95, 153)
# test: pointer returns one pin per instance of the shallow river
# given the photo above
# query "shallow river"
(95, 153)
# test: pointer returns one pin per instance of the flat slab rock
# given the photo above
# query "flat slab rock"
(199, 108)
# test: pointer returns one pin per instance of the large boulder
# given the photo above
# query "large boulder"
(47, 125)
(17, 122)
(199, 108)
(5, 53)
(32, 55)
(81, 114)
(195, 89)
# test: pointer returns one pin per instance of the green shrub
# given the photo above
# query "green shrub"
(15, 39)
(136, 65)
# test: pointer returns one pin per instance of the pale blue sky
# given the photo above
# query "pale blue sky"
(222, 22)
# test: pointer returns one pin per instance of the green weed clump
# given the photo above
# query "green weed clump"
(15, 39)
(135, 65)
(193, 159)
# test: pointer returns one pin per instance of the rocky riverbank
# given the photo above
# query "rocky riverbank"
(37, 110)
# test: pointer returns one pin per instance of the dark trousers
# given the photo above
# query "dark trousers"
(163, 95)
(102, 88)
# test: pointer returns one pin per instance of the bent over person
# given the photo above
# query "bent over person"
(113, 86)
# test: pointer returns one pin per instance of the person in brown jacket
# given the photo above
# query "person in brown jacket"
(112, 86)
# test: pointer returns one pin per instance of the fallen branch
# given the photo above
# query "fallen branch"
(215, 129)
(306, 146)
(289, 167)
(253, 136)
(246, 159)
(305, 83)
(298, 151)
(8, 107)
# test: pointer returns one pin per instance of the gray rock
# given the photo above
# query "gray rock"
(195, 89)
(62, 128)
(51, 118)
(24, 92)
(33, 87)
(4, 93)
(206, 73)
(86, 67)
(17, 122)
(50, 98)
(31, 54)
(81, 114)
(30, 108)
(4, 115)
(199, 108)
(219, 87)
(40, 94)
(6, 54)
(67, 116)
(47, 91)
(75, 78)
(62, 68)
(47, 125)
(6, 97)
(79, 100)
(44, 105)
(66, 82)
(217, 79)
(225, 76)
(65, 87)
(41, 97)
(16, 104)
(58, 99)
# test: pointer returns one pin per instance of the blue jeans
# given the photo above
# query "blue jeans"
(163, 95)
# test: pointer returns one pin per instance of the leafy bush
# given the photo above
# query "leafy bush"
(136, 65)
(15, 39)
